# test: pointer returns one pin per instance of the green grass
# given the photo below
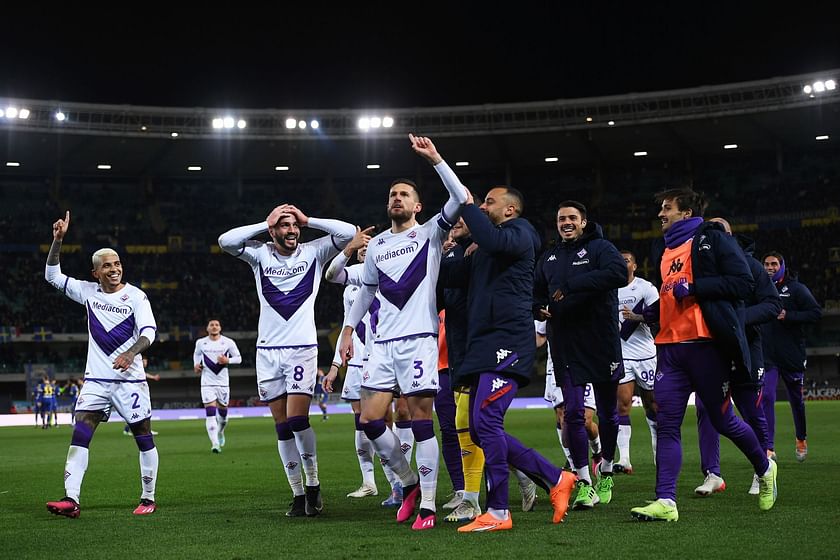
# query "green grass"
(232, 505)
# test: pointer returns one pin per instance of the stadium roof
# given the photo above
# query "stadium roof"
(758, 116)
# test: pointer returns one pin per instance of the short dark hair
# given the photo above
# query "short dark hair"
(776, 254)
(629, 252)
(686, 199)
(516, 195)
(408, 182)
(574, 204)
(215, 319)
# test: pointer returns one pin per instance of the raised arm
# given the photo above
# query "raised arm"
(458, 193)
(336, 272)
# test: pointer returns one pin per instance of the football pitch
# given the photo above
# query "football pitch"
(232, 505)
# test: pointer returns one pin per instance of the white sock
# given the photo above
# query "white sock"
(305, 441)
(212, 430)
(291, 464)
(624, 433)
(392, 478)
(568, 454)
(583, 474)
(148, 473)
(74, 471)
(668, 502)
(521, 477)
(606, 466)
(428, 455)
(406, 437)
(471, 497)
(595, 445)
(500, 514)
(222, 422)
(387, 446)
(652, 426)
(560, 436)
(364, 451)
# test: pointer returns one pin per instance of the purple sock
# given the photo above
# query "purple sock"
(82, 434)
(403, 424)
(623, 420)
(357, 421)
(145, 442)
(210, 410)
(423, 429)
(374, 428)
(223, 412)
(298, 423)
(284, 432)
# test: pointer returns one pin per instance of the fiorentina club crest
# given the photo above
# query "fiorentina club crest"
(124, 297)
(412, 235)
(581, 253)
(424, 470)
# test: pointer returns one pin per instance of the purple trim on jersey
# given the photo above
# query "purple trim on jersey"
(641, 360)
(332, 238)
(356, 365)
(406, 337)
(360, 331)
(282, 347)
(628, 327)
(508, 361)
(299, 393)
(109, 340)
(287, 304)
(350, 400)
(214, 367)
(399, 292)
(277, 398)
(98, 380)
(148, 327)
(430, 392)
(64, 289)
(443, 223)
(378, 390)
(375, 305)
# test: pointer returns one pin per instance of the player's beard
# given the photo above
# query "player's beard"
(400, 215)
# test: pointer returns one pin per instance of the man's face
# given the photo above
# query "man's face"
(459, 230)
(214, 328)
(772, 265)
(362, 253)
(285, 234)
(630, 261)
(497, 206)
(109, 272)
(402, 203)
(570, 223)
(670, 214)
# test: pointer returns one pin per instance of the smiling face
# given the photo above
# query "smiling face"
(285, 234)
(108, 271)
(772, 265)
(671, 214)
(570, 223)
(403, 203)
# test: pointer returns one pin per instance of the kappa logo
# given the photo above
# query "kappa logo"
(124, 298)
(415, 385)
(291, 465)
(581, 253)
(295, 386)
(498, 383)
(725, 388)
(381, 241)
(147, 479)
(760, 373)
(553, 257)
(135, 416)
(424, 470)
(361, 453)
(613, 366)
(676, 266)
(501, 354)
(451, 254)
(405, 448)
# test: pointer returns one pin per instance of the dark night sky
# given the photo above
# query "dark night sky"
(370, 55)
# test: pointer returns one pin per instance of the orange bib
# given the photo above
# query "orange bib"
(679, 321)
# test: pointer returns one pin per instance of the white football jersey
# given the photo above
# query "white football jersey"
(363, 332)
(636, 338)
(540, 327)
(207, 352)
(287, 288)
(115, 323)
(405, 266)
